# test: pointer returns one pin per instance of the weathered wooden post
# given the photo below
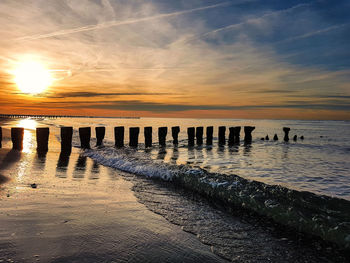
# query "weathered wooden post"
(134, 136)
(162, 132)
(190, 134)
(0, 137)
(267, 138)
(66, 140)
(231, 136)
(302, 137)
(85, 135)
(237, 133)
(295, 138)
(199, 135)
(175, 133)
(42, 139)
(286, 134)
(275, 137)
(17, 138)
(119, 136)
(248, 133)
(100, 135)
(210, 130)
(221, 134)
(147, 131)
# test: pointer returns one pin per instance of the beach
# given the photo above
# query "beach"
(82, 212)
(56, 208)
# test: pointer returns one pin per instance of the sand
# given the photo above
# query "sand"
(80, 211)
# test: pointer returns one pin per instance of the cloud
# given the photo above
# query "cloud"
(117, 23)
(83, 94)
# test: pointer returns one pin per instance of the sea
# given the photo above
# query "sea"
(302, 183)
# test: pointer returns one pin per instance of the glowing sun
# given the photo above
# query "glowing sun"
(32, 77)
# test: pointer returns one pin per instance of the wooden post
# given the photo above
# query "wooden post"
(175, 133)
(199, 135)
(148, 136)
(231, 136)
(66, 140)
(295, 138)
(85, 135)
(286, 134)
(42, 139)
(248, 133)
(119, 136)
(275, 137)
(162, 132)
(100, 134)
(210, 130)
(0, 137)
(237, 134)
(134, 136)
(222, 139)
(17, 138)
(190, 134)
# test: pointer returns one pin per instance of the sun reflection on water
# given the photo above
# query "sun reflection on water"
(28, 138)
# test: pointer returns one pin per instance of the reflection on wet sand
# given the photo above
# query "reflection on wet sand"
(40, 160)
(80, 167)
(62, 165)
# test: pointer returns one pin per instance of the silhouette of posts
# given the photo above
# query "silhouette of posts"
(147, 131)
(66, 140)
(199, 135)
(42, 139)
(295, 138)
(286, 134)
(222, 139)
(134, 136)
(210, 130)
(248, 133)
(100, 135)
(0, 137)
(85, 135)
(119, 136)
(190, 134)
(237, 134)
(162, 132)
(231, 136)
(267, 138)
(175, 133)
(275, 137)
(17, 138)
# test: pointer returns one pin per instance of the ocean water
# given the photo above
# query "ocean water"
(319, 164)
(303, 184)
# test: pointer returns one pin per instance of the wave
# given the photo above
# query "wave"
(323, 216)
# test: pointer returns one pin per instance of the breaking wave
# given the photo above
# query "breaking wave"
(323, 216)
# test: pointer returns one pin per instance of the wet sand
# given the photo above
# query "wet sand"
(81, 211)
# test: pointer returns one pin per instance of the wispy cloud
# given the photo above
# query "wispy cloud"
(117, 23)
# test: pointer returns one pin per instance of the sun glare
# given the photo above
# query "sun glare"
(32, 77)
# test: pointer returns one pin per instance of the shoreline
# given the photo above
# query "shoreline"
(84, 167)
(82, 212)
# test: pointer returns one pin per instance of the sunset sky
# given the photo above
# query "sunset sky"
(190, 58)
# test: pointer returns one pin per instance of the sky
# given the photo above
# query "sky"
(268, 59)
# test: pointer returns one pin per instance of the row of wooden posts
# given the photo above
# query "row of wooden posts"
(194, 134)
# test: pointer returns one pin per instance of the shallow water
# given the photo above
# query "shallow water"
(319, 163)
(235, 237)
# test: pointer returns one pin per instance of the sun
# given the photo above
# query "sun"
(32, 77)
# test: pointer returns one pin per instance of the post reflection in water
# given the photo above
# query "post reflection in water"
(161, 153)
(80, 167)
(190, 155)
(175, 155)
(247, 149)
